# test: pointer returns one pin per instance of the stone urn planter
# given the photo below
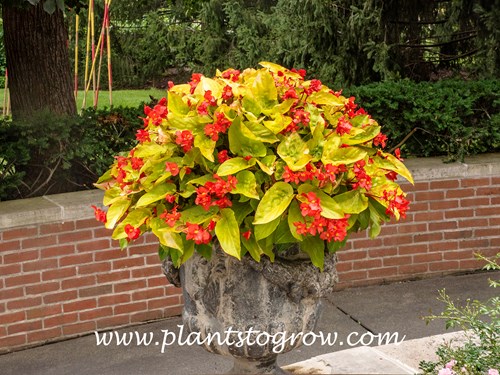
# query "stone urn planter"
(273, 300)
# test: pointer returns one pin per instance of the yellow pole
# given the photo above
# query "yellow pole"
(77, 23)
(101, 51)
(92, 70)
(87, 54)
(92, 29)
(108, 45)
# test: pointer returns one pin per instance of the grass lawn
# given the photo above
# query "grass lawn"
(124, 98)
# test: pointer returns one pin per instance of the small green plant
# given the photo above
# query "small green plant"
(48, 154)
(480, 354)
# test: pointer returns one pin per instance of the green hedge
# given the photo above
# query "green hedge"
(451, 117)
(49, 155)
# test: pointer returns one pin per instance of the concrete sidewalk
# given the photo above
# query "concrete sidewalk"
(376, 310)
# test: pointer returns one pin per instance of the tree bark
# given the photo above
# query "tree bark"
(36, 48)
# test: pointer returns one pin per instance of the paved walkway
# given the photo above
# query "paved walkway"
(350, 314)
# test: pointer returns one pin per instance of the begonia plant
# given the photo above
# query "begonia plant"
(256, 159)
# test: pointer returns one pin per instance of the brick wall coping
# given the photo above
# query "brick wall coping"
(76, 205)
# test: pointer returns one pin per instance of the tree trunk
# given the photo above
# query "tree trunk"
(36, 48)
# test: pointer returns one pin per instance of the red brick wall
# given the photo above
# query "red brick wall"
(449, 220)
(68, 278)
(62, 280)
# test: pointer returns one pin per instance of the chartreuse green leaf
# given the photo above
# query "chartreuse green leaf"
(202, 180)
(246, 185)
(166, 235)
(282, 233)
(317, 124)
(250, 104)
(281, 108)
(255, 130)
(365, 135)
(379, 209)
(183, 88)
(192, 123)
(116, 211)
(274, 202)
(360, 121)
(329, 207)
(155, 194)
(170, 239)
(332, 116)
(135, 218)
(112, 195)
(147, 150)
(186, 190)
(188, 250)
(104, 178)
(240, 144)
(261, 95)
(334, 246)
(394, 164)
(234, 165)
(241, 210)
(352, 202)
(278, 123)
(375, 226)
(325, 98)
(353, 222)
(294, 216)
(267, 164)
(275, 68)
(267, 246)
(206, 145)
(197, 214)
(175, 255)
(377, 215)
(346, 155)
(228, 233)
(364, 219)
(207, 84)
(315, 248)
(265, 230)
(154, 172)
(123, 243)
(315, 146)
(163, 252)
(252, 246)
(330, 146)
(294, 151)
(264, 89)
(176, 105)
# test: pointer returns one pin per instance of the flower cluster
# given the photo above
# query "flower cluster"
(215, 193)
(398, 204)
(322, 173)
(314, 224)
(198, 234)
(255, 158)
(363, 180)
(220, 125)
